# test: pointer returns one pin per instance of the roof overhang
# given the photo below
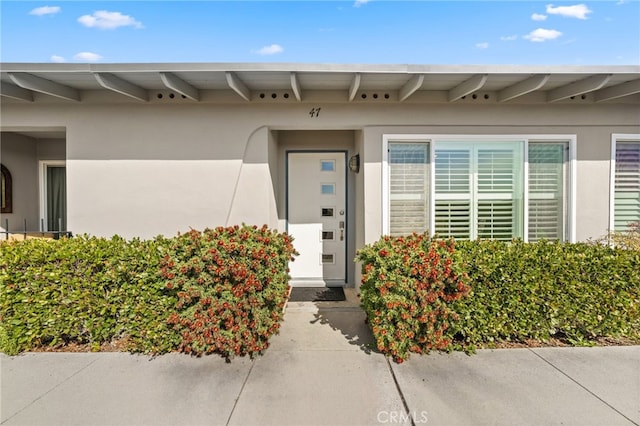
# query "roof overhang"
(267, 82)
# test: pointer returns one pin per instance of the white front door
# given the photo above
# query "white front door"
(317, 217)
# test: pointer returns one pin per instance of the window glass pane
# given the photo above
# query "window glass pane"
(327, 235)
(496, 219)
(453, 168)
(479, 190)
(547, 181)
(56, 199)
(627, 185)
(327, 165)
(327, 211)
(408, 188)
(328, 259)
(453, 219)
(328, 188)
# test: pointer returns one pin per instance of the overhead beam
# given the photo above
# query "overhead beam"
(522, 88)
(116, 84)
(618, 91)
(580, 87)
(15, 92)
(175, 83)
(355, 85)
(295, 86)
(474, 83)
(411, 86)
(41, 85)
(238, 86)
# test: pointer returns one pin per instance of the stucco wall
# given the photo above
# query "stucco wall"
(144, 169)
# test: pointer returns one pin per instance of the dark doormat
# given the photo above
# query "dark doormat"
(317, 294)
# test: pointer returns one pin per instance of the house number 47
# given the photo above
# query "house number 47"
(315, 112)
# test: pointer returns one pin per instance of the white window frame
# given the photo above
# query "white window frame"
(432, 139)
(42, 179)
(615, 138)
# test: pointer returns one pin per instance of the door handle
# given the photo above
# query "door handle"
(342, 224)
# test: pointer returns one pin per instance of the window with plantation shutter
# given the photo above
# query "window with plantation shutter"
(627, 184)
(478, 191)
(547, 181)
(408, 188)
(480, 186)
(499, 193)
(453, 192)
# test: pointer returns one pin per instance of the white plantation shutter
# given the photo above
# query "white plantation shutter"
(453, 196)
(627, 185)
(498, 193)
(408, 188)
(479, 191)
(546, 191)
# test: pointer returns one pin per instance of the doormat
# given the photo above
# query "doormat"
(317, 294)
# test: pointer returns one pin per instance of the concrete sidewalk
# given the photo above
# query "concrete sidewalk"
(321, 369)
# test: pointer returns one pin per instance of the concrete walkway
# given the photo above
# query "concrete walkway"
(321, 369)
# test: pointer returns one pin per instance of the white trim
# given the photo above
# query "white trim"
(573, 185)
(525, 192)
(615, 138)
(473, 138)
(42, 189)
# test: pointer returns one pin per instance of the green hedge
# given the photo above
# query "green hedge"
(577, 292)
(518, 292)
(83, 290)
(89, 290)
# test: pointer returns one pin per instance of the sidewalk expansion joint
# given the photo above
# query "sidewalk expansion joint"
(582, 386)
(235, 403)
(50, 390)
(402, 398)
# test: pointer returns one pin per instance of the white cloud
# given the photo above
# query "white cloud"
(509, 38)
(483, 45)
(45, 10)
(542, 34)
(359, 3)
(87, 57)
(270, 50)
(106, 20)
(58, 59)
(579, 11)
(538, 17)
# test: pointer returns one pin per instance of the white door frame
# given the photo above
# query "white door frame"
(346, 199)
(42, 189)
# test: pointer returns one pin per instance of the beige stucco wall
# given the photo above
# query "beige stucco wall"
(145, 169)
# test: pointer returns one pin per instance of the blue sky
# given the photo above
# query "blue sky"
(356, 32)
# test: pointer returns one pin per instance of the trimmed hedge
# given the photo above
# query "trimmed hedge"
(89, 290)
(576, 292)
(84, 290)
(518, 292)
